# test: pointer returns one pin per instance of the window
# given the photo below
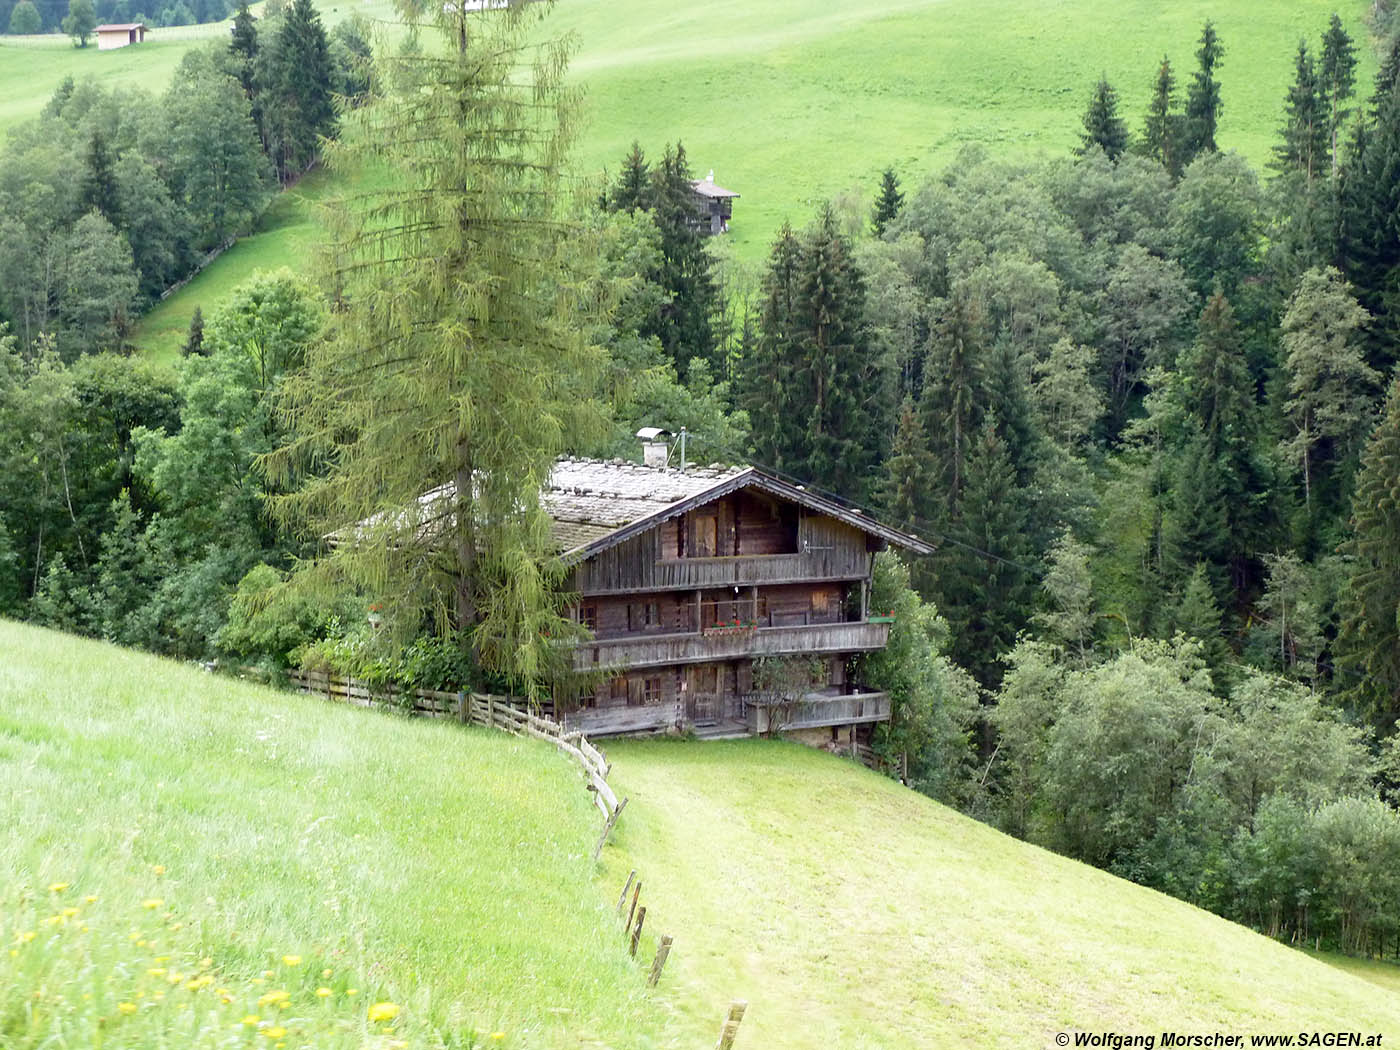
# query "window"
(642, 616)
(821, 603)
(588, 615)
(651, 691)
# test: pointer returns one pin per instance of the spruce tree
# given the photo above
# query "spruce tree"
(1162, 130)
(1305, 130)
(1103, 128)
(766, 369)
(633, 189)
(686, 326)
(1203, 104)
(910, 471)
(889, 202)
(1369, 640)
(954, 396)
(244, 48)
(99, 191)
(194, 338)
(458, 354)
(297, 100)
(1336, 78)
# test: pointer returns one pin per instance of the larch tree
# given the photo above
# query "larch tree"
(1330, 386)
(1103, 128)
(456, 357)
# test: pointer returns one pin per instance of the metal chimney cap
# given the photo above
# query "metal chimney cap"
(652, 433)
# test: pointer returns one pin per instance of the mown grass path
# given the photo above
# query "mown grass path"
(849, 911)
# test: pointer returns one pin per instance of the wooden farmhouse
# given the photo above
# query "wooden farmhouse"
(726, 601)
(111, 36)
(714, 205)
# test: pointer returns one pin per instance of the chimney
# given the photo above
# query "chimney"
(655, 447)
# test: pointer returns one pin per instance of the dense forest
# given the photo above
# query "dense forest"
(1142, 397)
(55, 16)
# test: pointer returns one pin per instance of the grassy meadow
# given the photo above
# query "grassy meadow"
(849, 911)
(793, 103)
(161, 819)
(196, 862)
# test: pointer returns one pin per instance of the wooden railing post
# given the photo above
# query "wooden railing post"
(632, 911)
(625, 887)
(731, 1025)
(663, 952)
(637, 931)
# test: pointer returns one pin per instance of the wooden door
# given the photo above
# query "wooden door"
(702, 704)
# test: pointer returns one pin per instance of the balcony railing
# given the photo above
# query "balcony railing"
(815, 710)
(727, 643)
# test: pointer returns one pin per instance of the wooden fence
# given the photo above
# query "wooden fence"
(494, 712)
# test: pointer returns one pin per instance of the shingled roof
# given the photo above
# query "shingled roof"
(594, 504)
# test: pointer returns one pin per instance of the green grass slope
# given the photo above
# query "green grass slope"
(795, 102)
(851, 912)
(443, 869)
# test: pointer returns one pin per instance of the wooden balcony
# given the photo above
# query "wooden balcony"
(816, 710)
(729, 643)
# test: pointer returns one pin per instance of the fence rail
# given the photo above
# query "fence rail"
(495, 712)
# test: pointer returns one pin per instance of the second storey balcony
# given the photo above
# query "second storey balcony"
(731, 642)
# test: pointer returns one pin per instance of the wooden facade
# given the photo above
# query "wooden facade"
(694, 609)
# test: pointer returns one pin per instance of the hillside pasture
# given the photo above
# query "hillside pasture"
(224, 828)
(849, 911)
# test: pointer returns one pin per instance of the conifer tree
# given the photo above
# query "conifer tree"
(1203, 104)
(1329, 383)
(457, 355)
(955, 391)
(99, 185)
(686, 326)
(194, 338)
(244, 47)
(1103, 127)
(910, 472)
(298, 106)
(1369, 640)
(1336, 78)
(768, 360)
(1305, 130)
(1197, 615)
(634, 188)
(889, 202)
(1162, 131)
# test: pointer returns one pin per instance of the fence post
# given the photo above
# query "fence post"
(625, 887)
(607, 830)
(663, 951)
(632, 911)
(731, 1025)
(637, 931)
(490, 711)
(462, 708)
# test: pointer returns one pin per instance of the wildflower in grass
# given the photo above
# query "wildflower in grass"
(26, 936)
(156, 971)
(152, 903)
(127, 1008)
(158, 869)
(91, 898)
(58, 887)
(205, 963)
(352, 991)
(251, 1019)
(277, 999)
(326, 972)
(383, 1011)
(291, 960)
(498, 1036)
(324, 992)
(276, 1032)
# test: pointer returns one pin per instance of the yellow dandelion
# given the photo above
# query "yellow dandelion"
(324, 992)
(383, 1011)
(162, 958)
(53, 920)
(141, 942)
(14, 953)
(127, 1008)
(267, 973)
(152, 903)
(275, 1032)
(58, 887)
(158, 869)
(326, 972)
(352, 991)
(277, 998)
(176, 926)
(91, 898)
(68, 913)
(498, 1036)
(291, 960)
(251, 1019)
(156, 971)
(27, 936)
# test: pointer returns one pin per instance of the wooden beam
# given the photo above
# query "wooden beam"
(663, 952)
(731, 1025)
